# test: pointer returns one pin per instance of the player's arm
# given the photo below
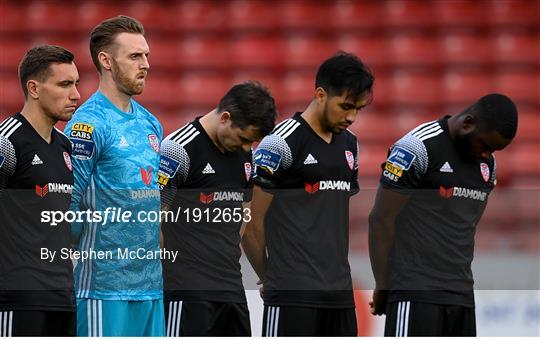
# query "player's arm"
(87, 139)
(388, 204)
(173, 170)
(402, 172)
(8, 161)
(246, 213)
(271, 160)
(253, 239)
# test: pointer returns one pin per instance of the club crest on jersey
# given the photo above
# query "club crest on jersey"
(146, 175)
(247, 170)
(350, 159)
(484, 169)
(67, 159)
(154, 142)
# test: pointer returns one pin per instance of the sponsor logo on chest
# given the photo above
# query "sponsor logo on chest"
(328, 185)
(460, 192)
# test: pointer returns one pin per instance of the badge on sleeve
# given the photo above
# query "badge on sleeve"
(267, 160)
(82, 139)
(401, 157)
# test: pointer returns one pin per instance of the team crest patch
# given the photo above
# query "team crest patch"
(401, 157)
(350, 159)
(154, 142)
(67, 159)
(82, 141)
(484, 169)
(247, 169)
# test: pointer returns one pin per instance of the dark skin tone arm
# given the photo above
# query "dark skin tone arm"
(388, 204)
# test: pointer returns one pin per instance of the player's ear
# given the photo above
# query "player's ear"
(32, 86)
(468, 123)
(105, 60)
(224, 117)
(320, 95)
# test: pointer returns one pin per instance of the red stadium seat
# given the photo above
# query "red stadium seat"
(270, 80)
(251, 15)
(514, 12)
(463, 87)
(529, 123)
(163, 53)
(372, 126)
(154, 15)
(408, 14)
(12, 53)
(415, 88)
(467, 48)
(301, 14)
(201, 88)
(355, 15)
(415, 49)
(196, 51)
(521, 86)
(525, 159)
(199, 15)
(11, 94)
(372, 155)
(299, 87)
(307, 51)
(43, 16)
(371, 49)
(160, 89)
(459, 13)
(517, 47)
(91, 13)
(255, 51)
(12, 17)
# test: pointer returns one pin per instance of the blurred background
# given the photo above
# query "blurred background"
(430, 58)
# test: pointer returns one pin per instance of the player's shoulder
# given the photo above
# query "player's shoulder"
(288, 129)
(145, 113)
(185, 137)
(91, 113)
(423, 137)
(10, 128)
(63, 137)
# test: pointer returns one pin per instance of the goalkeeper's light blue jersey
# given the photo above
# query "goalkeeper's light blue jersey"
(115, 165)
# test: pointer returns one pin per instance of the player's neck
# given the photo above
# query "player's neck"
(116, 97)
(39, 121)
(209, 123)
(314, 120)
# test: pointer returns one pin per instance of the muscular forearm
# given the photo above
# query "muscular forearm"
(253, 243)
(381, 239)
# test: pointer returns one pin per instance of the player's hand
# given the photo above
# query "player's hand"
(261, 289)
(378, 302)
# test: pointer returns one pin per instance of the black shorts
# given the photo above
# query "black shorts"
(38, 323)
(207, 318)
(410, 318)
(290, 321)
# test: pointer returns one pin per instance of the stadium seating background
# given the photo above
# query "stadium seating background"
(430, 58)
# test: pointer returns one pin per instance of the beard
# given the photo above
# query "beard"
(125, 84)
(336, 128)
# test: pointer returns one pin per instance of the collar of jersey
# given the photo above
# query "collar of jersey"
(131, 115)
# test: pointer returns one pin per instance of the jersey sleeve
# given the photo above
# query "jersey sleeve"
(272, 159)
(406, 164)
(8, 162)
(355, 183)
(173, 170)
(88, 138)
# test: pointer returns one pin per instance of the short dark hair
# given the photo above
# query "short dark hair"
(496, 112)
(102, 36)
(345, 72)
(36, 63)
(250, 104)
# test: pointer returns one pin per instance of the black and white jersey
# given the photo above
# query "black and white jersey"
(206, 188)
(434, 238)
(307, 223)
(34, 177)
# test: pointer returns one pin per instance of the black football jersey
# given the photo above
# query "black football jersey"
(206, 188)
(307, 223)
(35, 177)
(434, 237)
